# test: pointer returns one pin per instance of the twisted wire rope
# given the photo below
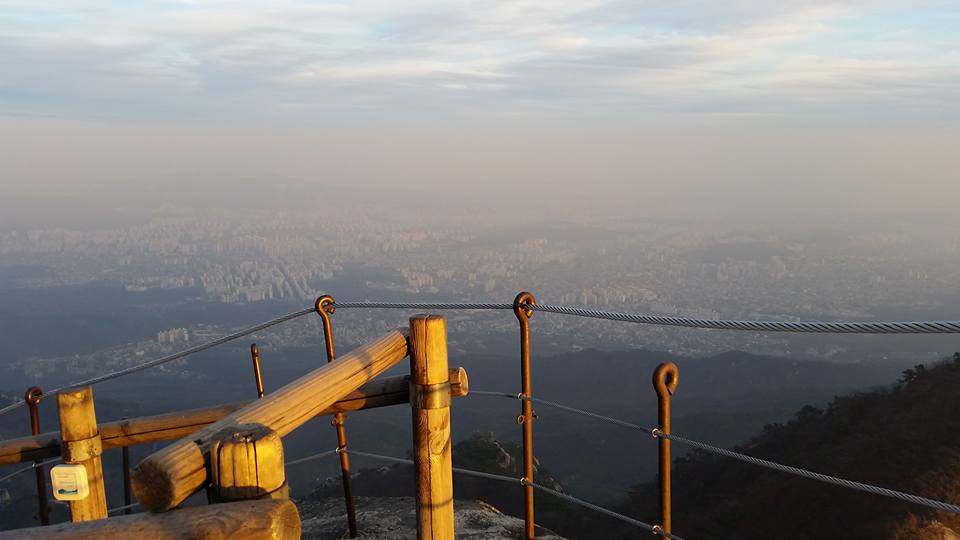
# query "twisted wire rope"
(652, 528)
(655, 529)
(917, 327)
(311, 458)
(30, 468)
(809, 327)
(424, 305)
(169, 358)
(122, 508)
(567, 408)
(842, 482)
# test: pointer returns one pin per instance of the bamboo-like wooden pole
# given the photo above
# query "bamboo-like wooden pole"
(81, 444)
(430, 400)
(383, 392)
(168, 477)
(245, 520)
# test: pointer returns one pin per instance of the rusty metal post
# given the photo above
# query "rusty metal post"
(257, 375)
(32, 397)
(523, 312)
(665, 379)
(325, 307)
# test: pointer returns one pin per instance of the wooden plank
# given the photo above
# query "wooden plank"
(162, 482)
(245, 520)
(383, 392)
(78, 424)
(433, 463)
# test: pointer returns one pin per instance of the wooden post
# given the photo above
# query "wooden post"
(430, 401)
(166, 478)
(81, 444)
(245, 520)
(246, 462)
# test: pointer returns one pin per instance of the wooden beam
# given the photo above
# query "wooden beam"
(168, 477)
(245, 520)
(78, 430)
(177, 425)
(433, 463)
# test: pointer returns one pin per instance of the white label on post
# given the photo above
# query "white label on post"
(69, 482)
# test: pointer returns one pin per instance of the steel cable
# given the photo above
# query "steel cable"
(850, 484)
(655, 529)
(567, 408)
(918, 327)
(30, 468)
(652, 528)
(311, 458)
(168, 358)
(423, 305)
(877, 490)
(122, 508)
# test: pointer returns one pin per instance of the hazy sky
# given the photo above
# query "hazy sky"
(659, 100)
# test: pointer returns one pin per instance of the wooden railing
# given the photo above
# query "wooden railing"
(212, 447)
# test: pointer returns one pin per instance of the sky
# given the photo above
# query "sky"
(734, 103)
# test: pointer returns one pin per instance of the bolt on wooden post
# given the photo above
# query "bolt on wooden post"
(80, 443)
(430, 402)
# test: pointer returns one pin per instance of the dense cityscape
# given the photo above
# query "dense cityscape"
(667, 268)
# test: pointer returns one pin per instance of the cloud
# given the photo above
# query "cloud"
(265, 60)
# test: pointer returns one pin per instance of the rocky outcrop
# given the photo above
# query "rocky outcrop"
(393, 518)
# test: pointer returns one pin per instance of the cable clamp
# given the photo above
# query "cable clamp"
(82, 450)
(656, 433)
(657, 529)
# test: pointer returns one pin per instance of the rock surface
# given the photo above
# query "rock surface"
(389, 518)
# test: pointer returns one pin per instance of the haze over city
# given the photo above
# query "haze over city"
(174, 172)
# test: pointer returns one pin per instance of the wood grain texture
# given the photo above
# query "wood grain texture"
(177, 425)
(161, 483)
(433, 463)
(246, 462)
(78, 422)
(246, 520)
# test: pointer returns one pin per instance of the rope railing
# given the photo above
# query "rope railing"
(894, 327)
(655, 529)
(877, 490)
(809, 327)
(523, 307)
(313, 457)
(916, 327)
(842, 482)
(29, 468)
(122, 508)
(169, 358)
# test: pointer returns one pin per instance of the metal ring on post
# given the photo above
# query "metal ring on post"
(325, 306)
(665, 379)
(522, 308)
